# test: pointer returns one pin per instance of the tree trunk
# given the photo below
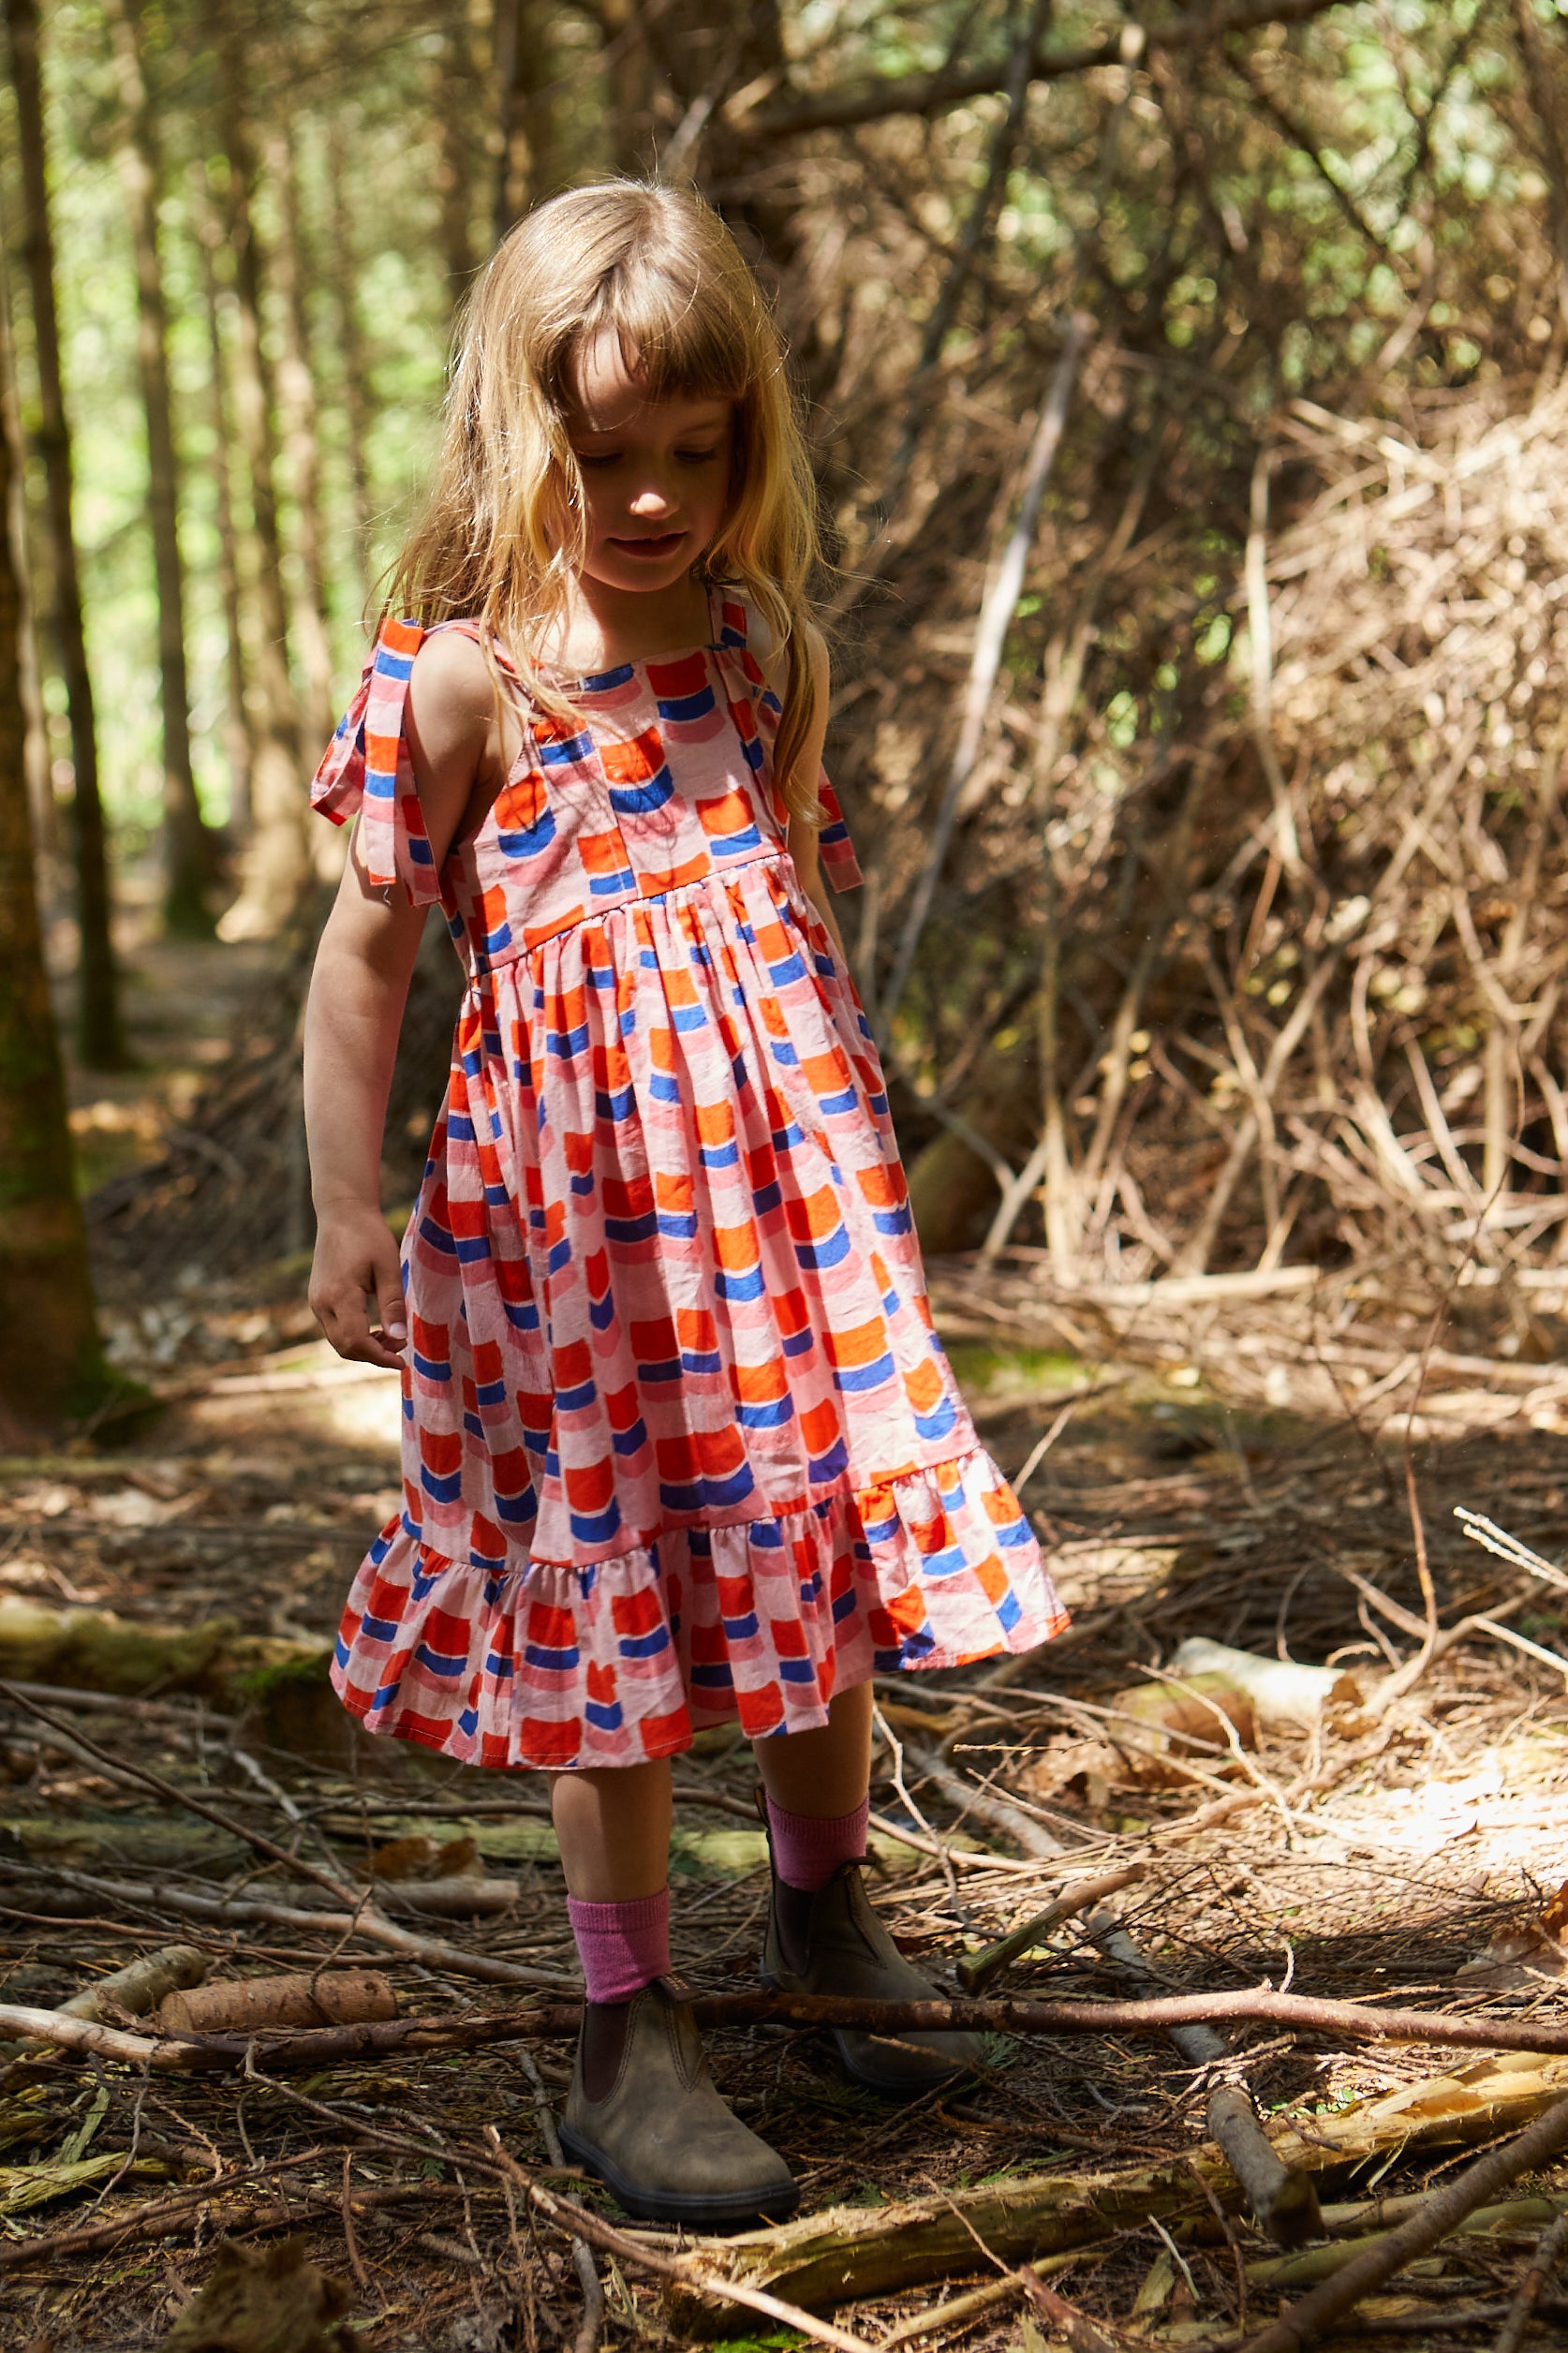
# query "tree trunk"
(531, 161)
(297, 415)
(342, 248)
(238, 734)
(459, 105)
(628, 86)
(46, 1292)
(100, 1036)
(275, 861)
(190, 852)
(41, 789)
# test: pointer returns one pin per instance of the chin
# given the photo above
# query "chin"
(634, 576)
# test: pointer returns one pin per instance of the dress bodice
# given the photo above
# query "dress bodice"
(661, 780)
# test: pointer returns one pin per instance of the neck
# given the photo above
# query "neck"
(606, 625)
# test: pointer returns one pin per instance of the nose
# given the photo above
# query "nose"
(653, 501)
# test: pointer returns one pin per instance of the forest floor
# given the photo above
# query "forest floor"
(1234, 1474)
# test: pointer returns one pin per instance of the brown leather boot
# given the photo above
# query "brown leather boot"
(832, 1942)
(644, 2114)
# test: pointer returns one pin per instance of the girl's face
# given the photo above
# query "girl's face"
(656, 473)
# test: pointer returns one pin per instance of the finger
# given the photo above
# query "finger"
(374, 1351)
(394, 1317)
(342, 1317)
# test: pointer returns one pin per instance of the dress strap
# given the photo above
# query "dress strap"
(367, 771)
(833, 846)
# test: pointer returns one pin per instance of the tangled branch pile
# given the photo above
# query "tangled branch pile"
(1298, 943)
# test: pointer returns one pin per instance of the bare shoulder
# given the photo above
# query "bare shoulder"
(450, 674)
(450, 705)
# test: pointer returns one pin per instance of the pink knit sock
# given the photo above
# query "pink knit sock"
(622, 1946)
(808, 1848)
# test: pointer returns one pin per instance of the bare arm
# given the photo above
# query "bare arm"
(358, 991)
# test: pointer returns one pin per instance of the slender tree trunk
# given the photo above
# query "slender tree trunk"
(190, 852)
(297, 417)
(628, 86)
(506, 46)
(100, 1036)
(239, 736)
(50, 1365)
(531, 161)
(342, 247)
(458, 113)
(41, 788)
(275, 863)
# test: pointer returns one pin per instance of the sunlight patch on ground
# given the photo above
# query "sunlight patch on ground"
(1499, 1820)
(317, 1398)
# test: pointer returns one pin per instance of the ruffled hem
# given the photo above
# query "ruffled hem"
(549, 1665)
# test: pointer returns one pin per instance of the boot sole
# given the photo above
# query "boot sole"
(651, 2205)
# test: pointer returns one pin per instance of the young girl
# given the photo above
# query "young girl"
(680, 1444)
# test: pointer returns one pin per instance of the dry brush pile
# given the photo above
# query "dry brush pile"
(1279, 970)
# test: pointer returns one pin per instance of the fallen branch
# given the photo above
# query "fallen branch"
(1441, 2213)
(321, 2046)
(1307, 2266)
(162, 2215)
(1548, 2253)
(233, 1911)
(848, 2253)
(1030, 1835)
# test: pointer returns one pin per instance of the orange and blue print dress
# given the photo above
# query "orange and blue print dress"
(680, 1444)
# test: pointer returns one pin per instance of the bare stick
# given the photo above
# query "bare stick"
(1082, 2334)
(1031, 1836)
(975, 1970)
(593, 2294)
(223, 1910)
(151, 2220)
(256, 1840)
(1283, 2198)
(314, 2047)
(990, 638)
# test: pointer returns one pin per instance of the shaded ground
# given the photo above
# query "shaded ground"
(1379, 1857)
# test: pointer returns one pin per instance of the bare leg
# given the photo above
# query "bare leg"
(825, 1772)
(613, 1825)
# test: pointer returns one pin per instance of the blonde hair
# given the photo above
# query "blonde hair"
(503, 531)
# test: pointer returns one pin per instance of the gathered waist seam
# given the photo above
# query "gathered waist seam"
(481, 967)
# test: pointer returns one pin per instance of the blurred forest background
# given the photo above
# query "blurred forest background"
(1186, 390)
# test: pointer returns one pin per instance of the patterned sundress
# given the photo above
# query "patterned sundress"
(680, 1444)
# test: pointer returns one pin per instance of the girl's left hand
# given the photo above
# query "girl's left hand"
(356, 1260)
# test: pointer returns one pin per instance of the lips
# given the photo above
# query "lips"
(651, 545)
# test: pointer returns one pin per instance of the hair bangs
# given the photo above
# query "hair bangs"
(679, 336)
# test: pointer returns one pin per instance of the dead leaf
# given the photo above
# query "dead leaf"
(271, 2302)
(1522, 1956)
(422, 1856)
